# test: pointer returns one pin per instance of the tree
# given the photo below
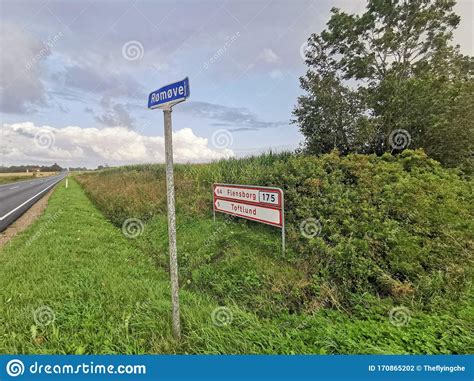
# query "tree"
(390, 70)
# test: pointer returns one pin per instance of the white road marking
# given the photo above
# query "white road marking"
(14, 187)
(31, 198)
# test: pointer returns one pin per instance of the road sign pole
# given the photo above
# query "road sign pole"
(165, 98)
(172, 223)
(283, 221)
(213, 207)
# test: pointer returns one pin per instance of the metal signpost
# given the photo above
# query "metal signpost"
(261, 204)
(165, 98)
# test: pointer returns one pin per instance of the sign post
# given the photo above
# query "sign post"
(261, 204)
(165, 98)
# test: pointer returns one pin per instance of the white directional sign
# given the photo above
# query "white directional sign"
(261, 204)
(264, 196)
(252, 212)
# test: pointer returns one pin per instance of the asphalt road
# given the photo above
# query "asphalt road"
(16, 198)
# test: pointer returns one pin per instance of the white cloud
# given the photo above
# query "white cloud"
(20, 82)
(269, 56)
(276, 74)
(73, 146)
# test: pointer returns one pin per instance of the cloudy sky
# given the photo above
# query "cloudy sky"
(75, 75)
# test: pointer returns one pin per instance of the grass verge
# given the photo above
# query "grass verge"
(108, 296)
(72, 283)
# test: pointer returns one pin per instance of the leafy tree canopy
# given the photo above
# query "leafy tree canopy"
(389, 79)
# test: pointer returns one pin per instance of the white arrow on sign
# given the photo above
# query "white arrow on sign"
(257, 195)
(268, 216)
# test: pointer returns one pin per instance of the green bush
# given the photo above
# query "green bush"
(391, 227)
(394, 229)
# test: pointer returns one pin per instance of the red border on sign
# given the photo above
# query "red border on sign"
(280, 224)
(262, 189)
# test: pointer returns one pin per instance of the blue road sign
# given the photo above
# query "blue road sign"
(169, 95)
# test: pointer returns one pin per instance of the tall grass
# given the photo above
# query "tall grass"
(395, 231)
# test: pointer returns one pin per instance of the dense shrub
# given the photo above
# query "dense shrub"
(393, 228)
(399, 227)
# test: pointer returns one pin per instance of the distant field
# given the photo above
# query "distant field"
(6, 178)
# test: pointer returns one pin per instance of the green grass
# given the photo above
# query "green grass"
(243, 265)
(108, 295)
(396, 231)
